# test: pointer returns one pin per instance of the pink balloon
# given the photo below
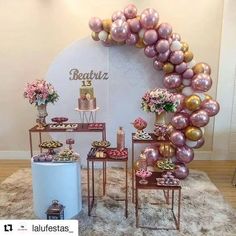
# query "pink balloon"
(199, 118)
(200, 143)
(119, 30)
(179, 98)
(106, 43)
(175, 36)
(180, 121)
(201, 82)
(157, 65)
(177, 138)
(172, 81)
(181, 68)
(130, 11)
(150, 37)
(188, 74)
(181, 171)
(135, 25)
(164, 30)
(162, 46)
(211, 107)
(184, 154)
(163, 57)
(149, 18)
(150, 51)
(118, 15)
(176, 57)
(132, 39)
(95, 24)
(152, 154)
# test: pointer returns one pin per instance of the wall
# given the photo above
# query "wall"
(33, 32)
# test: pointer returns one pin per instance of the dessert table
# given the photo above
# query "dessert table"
(153, 140)
(91, 194)
(85, 127)
(56, 181)
(152, 185)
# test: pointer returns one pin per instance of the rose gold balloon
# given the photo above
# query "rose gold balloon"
(179, 98)
(211, 107)
(152, 154)
(199, 118)
(180, 121)
(193, 133)
(184, 154)
(134, 24)
(130, 11)
(201, 82)
(172, 81)
(95, 24)
(118, 15)
(202, 67)
(175, 36)
(149, 18)
(158, 65)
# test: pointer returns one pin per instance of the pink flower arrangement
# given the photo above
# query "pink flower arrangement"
(159, 100)
(40, 92)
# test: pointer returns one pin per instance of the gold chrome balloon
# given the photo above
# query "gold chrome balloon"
(208, 96)
(188, 56)
(184, 47)
(193, 133)
(202, 68)
(170, 128)
(192, 102)
(140, 44)
(95, 36)
(106, 24)
(167, 150)
(140, 164)
(168, 68)
(179, 89)
(109, 40)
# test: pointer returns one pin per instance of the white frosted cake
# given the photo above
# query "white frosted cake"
(87, 100)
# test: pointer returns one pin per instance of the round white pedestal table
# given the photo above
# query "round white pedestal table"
(56, 181)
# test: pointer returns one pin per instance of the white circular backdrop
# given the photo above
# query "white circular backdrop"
(131, 74)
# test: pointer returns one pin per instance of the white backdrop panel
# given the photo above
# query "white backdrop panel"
(119, 97)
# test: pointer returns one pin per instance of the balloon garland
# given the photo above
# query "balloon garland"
(183, 76)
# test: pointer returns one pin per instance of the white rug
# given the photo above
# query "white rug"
(203, 211)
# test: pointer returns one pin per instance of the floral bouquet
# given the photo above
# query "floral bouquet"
(159, 100)
(40, 92)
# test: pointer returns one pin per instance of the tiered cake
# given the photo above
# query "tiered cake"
(87, 101)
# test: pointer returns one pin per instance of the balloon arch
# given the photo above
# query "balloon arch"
(184, 77)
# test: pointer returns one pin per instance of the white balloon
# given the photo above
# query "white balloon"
(190, 143)
(191, 64)
(175, 46)
(150, 168)
(201, 95)
(103, 35)
(187, 91)
(141, 33)
(186, 82)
